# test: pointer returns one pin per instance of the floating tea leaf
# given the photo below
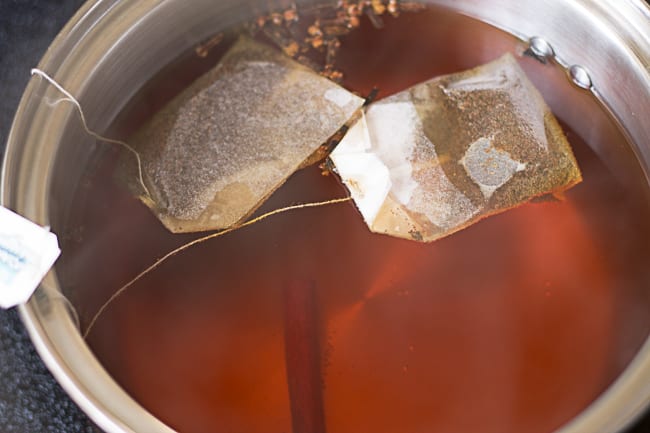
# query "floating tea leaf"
(441, 155)
(216, 151)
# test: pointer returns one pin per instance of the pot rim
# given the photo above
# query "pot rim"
(75, 367)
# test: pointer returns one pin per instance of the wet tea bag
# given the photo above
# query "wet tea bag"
(216, 151)
(441, 155)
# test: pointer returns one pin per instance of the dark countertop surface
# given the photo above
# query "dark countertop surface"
(31, 401)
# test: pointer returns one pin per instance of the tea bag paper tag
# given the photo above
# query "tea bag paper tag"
(27, 252)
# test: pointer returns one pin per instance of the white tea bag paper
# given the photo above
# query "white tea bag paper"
(27, 252)
(221, 147)
(439, 156)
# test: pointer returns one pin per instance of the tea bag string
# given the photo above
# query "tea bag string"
(68, 305)
(77, 105)
(197, 241)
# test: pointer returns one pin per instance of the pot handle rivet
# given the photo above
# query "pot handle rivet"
(540, 49)
(580, 76)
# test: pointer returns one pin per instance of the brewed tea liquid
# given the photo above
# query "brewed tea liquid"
(308, 321)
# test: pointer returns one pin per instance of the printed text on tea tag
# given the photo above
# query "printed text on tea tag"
(27, 252)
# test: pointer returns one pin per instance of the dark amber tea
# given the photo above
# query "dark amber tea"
(307, 322)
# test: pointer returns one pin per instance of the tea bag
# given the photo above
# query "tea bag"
(441, 155)
(216, 151)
